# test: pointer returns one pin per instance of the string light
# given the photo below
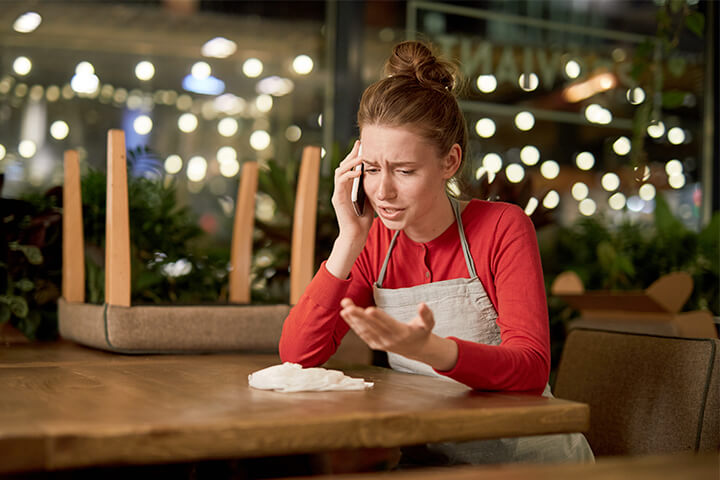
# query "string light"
(524, 121)
(293, 133)
(673, 167)
(492, 162)
(196, 168)
(27, 22)
(219, 47)
(142, 125)
(551, 200)
(572, 69)
(579, 191)
(173, 164)
(201, 70)
(144, 70)
(259, 140)
(617, 201)
(252, 68)
(635, 96)
(585, 160)
(647, 191)
(485, 127)
(264, 103)
(532, 82)
(550, 169)
(621, 146)
(656, 130)
(676, 135)
(587, 207)
(187, 122)
(302, 64)
(486, 83)
(531, 206)
(514, 173)
(22, 66)
(610, 181)
(676, 181)
(59, 130)
(530, 155)
(227, 127)
(27, 148)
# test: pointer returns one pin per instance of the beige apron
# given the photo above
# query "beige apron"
(461, 308)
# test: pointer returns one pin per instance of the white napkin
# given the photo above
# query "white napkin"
(291, 377)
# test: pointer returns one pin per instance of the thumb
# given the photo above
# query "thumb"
(426, 316)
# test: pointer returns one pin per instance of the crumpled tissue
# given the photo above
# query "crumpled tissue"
(292, 377)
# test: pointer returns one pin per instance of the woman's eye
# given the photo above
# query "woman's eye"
(370, 170)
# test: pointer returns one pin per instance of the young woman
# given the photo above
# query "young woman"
(445, 287)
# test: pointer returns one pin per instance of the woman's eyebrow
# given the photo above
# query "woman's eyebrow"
(400, 163)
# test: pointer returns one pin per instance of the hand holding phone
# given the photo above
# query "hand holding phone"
(358, 193)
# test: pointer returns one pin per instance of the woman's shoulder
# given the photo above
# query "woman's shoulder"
(491, 211)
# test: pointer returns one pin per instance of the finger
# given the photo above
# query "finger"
(425, 316)
(362, 329)
(352, 158)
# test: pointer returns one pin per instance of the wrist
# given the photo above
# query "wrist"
(438, 352)
(342, 257)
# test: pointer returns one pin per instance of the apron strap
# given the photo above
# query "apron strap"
(381, 278)
(463, 241)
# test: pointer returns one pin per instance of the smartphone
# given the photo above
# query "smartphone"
(358, 193)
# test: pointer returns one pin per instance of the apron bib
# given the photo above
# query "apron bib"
(461, 308)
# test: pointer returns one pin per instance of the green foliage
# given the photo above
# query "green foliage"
(631, 255)
(651, 60)
(30, 264)
(166, 263)
(272, 241)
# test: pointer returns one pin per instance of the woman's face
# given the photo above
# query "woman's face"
(405, 180)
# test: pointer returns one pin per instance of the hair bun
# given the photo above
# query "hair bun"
(416, 60)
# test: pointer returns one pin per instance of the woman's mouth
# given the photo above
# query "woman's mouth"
(389, 213)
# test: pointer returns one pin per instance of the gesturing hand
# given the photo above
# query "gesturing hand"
(383, 332)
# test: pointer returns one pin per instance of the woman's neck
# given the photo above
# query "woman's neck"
(435, 222)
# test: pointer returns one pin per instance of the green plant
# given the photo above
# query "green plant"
(651, 60)
(277, 184)
(169, 262)
(630, 256)
(30, 264)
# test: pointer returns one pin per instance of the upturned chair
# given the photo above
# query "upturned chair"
(121, 327)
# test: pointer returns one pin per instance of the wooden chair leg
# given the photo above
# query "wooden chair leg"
(117, 226)
(302, 254)
(73, 242)
(242, 236)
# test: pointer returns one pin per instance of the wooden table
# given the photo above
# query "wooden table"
(66, 406)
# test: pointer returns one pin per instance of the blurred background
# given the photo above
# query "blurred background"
(598, 117)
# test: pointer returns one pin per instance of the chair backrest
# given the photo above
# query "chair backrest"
(117, 228)
(648, 394)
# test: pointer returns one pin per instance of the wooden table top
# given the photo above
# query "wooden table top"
(65, 406)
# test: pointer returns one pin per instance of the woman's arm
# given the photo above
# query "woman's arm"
(314, 329)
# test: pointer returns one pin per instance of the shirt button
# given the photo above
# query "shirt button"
(427, 274)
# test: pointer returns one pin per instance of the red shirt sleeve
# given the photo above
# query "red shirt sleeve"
(314, 329)
(515, 286)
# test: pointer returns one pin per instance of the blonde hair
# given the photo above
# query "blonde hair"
(418, 92)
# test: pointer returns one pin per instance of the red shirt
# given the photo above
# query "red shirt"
(504, 248)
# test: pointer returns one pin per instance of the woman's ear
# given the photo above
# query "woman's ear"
(452, 161)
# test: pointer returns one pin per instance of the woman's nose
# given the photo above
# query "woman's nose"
(386, 188)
